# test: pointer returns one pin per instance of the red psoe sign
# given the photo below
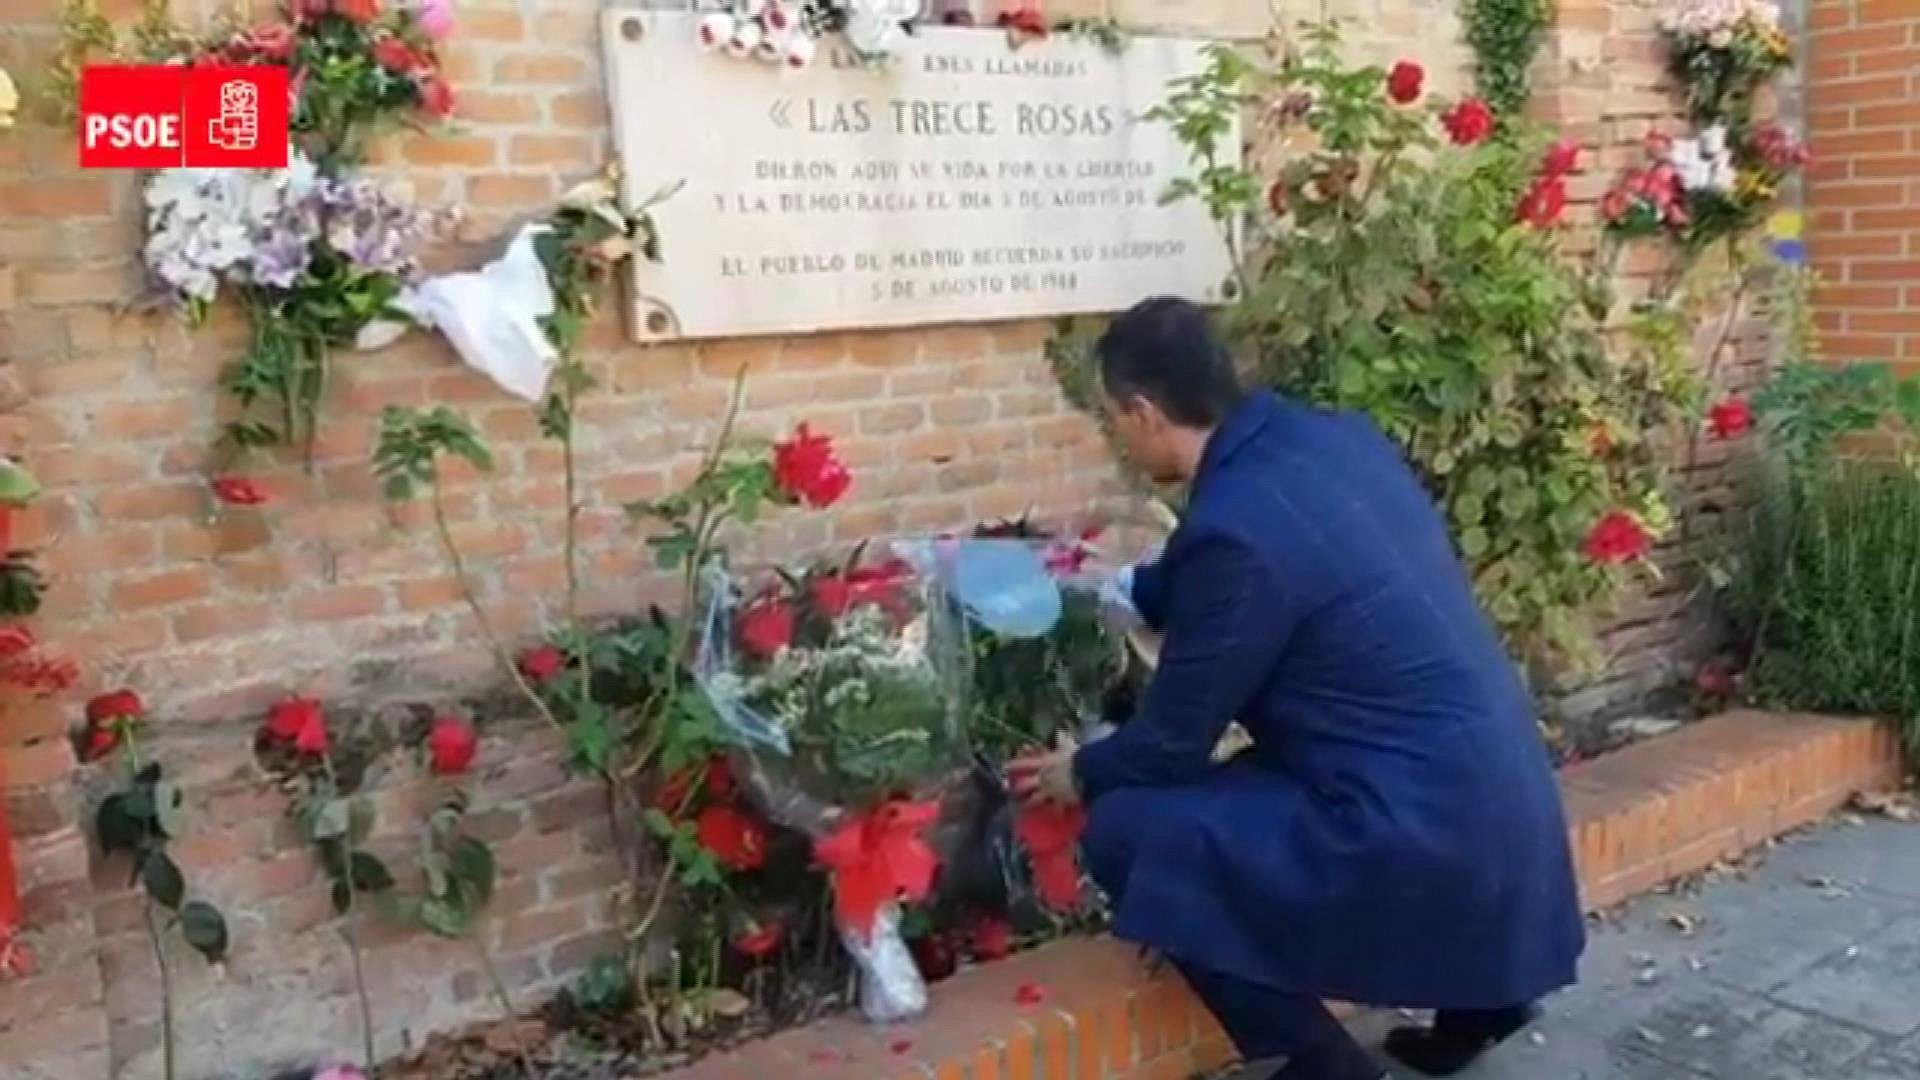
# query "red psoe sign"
(160, 117)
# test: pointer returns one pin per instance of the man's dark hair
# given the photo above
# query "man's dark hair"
(1163, 349)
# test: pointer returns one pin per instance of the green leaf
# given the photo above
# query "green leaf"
(370, 874)
(342, 897)
(445, 917)
(333, 818)
(205, 929)
(161, 878)
(473, 863)
(115, 828)
(169, 808)
(18, 487)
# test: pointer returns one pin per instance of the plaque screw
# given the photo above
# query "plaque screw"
(632, 29)
(657, 322)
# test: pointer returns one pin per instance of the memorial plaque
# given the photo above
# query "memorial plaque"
(960, 180)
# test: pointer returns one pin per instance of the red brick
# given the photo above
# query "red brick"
(161, 589)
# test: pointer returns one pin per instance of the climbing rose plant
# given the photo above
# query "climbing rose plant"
(1408, 265)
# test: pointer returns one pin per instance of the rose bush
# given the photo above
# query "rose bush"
(1420, 279)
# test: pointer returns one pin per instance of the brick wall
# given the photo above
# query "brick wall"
(1864, 122)
(333, 594)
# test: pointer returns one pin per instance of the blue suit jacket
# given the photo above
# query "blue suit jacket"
(1395, 836)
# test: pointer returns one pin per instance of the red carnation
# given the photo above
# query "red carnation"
(765, 627)
(436, 96)
(1730, 418)
(1544, 202)
(1404, 82)
(1561, 158)
(735, 839)
(542, 663)
(1468, 122)
(300, 721)
(1617, 538)
(395, 55)
(239, 491)
(451, 745)
(764, 937)
(807, 471)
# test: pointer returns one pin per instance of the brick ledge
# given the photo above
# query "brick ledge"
(1638, 817)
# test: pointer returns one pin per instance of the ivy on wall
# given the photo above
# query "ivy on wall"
(1505, 36)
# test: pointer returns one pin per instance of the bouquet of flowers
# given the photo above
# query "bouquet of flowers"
(357, 65)
(787, 32)
(1721, 50)
(315, 259)
(1706, 187)
(843, 687)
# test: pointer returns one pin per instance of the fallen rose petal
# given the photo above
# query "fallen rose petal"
(1029, 995)
(901, 1046)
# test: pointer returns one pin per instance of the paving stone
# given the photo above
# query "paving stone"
(1876, 985)
(1789, 1045)
(1882, 856)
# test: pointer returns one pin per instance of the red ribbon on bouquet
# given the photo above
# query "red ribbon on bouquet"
(1051, 835)
(878, 858)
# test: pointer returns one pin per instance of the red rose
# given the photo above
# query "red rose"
(239, 491)
(735, 839)
(1657, 144)
(270, 42)
(715, 779)
(541, 664)
(300, 721)
(934, 955)
(806, 470)
(1468, 122)
(831, 595)
(15, 640)
(1616, 205)
(99, 741)
(764, 937)
(1404, 82)
(1714, 680)
(1562, 158)
(395, 55)
(312, 9)
(1543, 203)
(436, 97)
(765, 627)
(116, 705)
(1617, 538)
(362, 12)
(1026, 22)
(451, 745)
(990, 939)
(1730, 418)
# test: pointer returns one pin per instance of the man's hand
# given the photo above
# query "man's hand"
(1046, 777)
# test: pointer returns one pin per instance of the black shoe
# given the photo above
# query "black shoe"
(1456, 1039)
(1345, 1061)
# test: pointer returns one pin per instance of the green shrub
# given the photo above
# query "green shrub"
(1828, 591)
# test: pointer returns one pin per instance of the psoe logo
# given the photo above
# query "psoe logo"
(161, 117)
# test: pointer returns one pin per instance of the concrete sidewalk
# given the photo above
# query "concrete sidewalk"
(1805, 966)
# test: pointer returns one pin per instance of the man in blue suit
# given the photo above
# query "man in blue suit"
(1395, 835)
